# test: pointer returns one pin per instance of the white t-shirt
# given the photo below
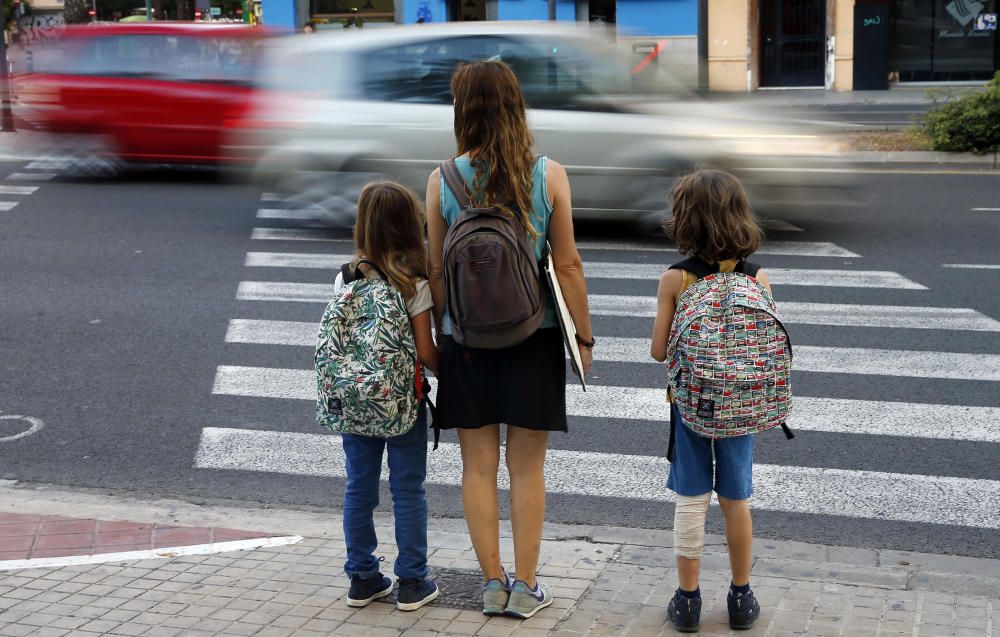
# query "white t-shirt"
(419, 303)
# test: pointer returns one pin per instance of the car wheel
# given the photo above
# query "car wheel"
(328, 198)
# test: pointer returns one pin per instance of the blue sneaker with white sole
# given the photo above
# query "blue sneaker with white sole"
(365, 590)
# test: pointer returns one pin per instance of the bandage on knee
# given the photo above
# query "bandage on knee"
(689, 525)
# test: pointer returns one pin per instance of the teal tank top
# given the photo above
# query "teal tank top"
(540, 201)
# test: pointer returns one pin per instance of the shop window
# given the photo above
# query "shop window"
(353, 11)
(942, 40)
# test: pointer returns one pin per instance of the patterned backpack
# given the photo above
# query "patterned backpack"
(730, 359)
(366, 361)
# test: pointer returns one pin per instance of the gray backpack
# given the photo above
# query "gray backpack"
(490, 273)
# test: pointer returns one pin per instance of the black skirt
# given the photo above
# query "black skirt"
(521, 386)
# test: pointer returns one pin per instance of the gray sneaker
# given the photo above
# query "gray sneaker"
(496, 593)
(525, 602)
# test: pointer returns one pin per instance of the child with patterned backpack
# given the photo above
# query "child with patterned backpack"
(729, 360)
(373, 338)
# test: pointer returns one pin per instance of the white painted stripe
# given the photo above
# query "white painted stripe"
(152, 554)
(779, 225)
(987, 209)
(31, 176)
(841, 492)
(291, 215)
(972, 266)
(261, 332)
(292, 234)
(17, 190)
(280, 291)
(845, 360)
(906, 420)
(312, 261)
(271, 196)
(786, 248)
(633, 271)
(49, 164)
(7, 205)
(796, 313)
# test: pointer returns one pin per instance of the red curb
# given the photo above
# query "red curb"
(36, 536)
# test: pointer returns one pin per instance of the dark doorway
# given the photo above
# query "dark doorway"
(792, 42)
(467, 10)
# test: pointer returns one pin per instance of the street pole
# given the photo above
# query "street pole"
(149, 10)
(552, 10)
(7, 116)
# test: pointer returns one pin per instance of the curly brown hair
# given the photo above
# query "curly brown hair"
(712, 217)
(491, 125)
(389, 232)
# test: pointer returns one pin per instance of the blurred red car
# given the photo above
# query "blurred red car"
(155, 92)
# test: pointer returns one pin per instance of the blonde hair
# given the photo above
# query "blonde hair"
(389, 233)
(712, 217)
(490, 121)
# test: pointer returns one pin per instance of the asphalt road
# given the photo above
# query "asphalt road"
(116, 297)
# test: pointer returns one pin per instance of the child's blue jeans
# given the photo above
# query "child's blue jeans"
(407, 470)
(701, 464)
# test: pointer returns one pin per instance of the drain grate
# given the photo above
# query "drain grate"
(460, 589)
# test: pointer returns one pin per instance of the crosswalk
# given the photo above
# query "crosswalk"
(289, 269)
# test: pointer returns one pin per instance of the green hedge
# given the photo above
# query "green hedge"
(967, 123)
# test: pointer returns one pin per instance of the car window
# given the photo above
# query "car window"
(169, 57)
(420, 71)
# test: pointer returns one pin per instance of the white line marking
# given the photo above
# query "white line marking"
(907, 420)
(889, 316)
(261, 332)
(787, 248)
(17, 190)
(7, 205)
(631, 271)
(779, 225)
(271, 196)
(279, 291)
(49, 164)
(31, 176)
(291, 215)
(972, 266)
(841, 492)
(292, 234)
(296, 260)
(152, 554)
(845, 360)
(987, 209)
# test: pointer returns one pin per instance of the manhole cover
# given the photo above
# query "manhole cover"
(460, 589)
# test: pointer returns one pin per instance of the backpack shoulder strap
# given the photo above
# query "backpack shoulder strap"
(347, 273)
(697, 266)
(750, 269)
(456, 184)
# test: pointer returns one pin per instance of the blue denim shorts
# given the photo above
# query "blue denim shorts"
(694, 470)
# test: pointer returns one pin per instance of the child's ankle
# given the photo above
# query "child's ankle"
(739, 590)
(695, 594)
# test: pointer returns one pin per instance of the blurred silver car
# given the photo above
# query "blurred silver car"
(335, 110)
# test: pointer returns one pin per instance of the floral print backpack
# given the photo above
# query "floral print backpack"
(366, 362)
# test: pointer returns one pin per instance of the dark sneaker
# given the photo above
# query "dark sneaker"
(743, 610)
(414, 593)
(365, 590)
(524, 602)
(496, 594)
(684, 613)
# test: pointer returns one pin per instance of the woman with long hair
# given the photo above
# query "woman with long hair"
(522, 386)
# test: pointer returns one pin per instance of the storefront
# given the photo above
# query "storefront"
(943, 40)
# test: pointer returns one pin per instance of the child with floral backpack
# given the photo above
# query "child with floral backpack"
(374, 337)
(729, 365)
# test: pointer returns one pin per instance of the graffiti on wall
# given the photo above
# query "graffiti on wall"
(40, 27)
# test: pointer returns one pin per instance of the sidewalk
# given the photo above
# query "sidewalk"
(607, 581)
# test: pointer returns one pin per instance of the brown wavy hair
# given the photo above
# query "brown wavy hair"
(490, 125)
(712, 217)
(389, 232)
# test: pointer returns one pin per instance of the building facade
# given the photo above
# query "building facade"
(736, 45)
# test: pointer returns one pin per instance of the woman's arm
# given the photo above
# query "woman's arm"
(426, 352)
(436, 229)
(566, 258)
(763, 280)
(666, 303)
